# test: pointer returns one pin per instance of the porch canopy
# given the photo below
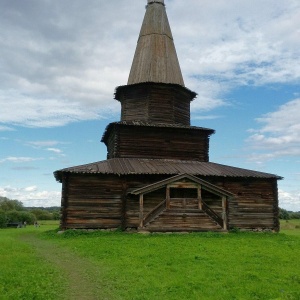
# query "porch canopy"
(172, 201)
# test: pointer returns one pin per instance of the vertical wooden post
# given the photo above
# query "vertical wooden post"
(141, 210)
(199, 196)
(168, 197)
(224, 213)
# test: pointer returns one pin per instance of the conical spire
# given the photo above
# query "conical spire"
(155, 58)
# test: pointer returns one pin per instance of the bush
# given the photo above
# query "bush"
(41, 214)
(20, 216)
(3, 219)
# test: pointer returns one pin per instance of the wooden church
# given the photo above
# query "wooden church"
(157, 176)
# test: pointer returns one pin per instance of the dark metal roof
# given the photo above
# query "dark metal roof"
(148, 124)
(139, 166)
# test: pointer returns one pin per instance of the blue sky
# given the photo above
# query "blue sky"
(61, 60)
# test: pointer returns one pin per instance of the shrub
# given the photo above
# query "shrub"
(3, 219)
(41, 214)
(20, 216)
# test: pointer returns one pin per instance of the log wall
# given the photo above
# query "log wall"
(155, 103)
(158, 142)
(255, 205)
(93, 201)
(101, 201)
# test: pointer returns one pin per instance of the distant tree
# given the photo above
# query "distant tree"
(20, 216)
(7, 204)
(3, 219)
(42, 214)
(295, 215)
(284, 214)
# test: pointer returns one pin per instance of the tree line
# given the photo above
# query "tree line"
(13, 211)
(288, 215)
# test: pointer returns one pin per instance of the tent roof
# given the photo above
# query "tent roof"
(155, 58)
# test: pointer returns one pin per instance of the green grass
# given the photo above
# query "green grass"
(24, 275)
(158, 266)
(194, 266)
(291, 227)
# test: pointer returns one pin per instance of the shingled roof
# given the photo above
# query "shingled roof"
(137, 166)
(155, 58)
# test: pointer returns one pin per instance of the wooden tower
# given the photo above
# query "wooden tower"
(155, 100)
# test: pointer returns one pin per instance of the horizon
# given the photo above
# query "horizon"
(61, 62)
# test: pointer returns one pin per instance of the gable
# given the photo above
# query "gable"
(182, 181)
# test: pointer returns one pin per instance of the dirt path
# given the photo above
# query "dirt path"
(81, 274)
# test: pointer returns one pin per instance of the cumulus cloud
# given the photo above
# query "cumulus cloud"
(280, 133)
(61, 60)
(241, 41)
(30, 188)
(32, 196)
(289, 200)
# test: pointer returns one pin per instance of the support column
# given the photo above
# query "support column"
(199, 196)
(141, 210)
(168, 197)
(224, 212)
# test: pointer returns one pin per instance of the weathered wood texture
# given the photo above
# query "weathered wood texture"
(93, 202)
(184, 220)
(155, 58)
(255, 205)
(182, 213)
(150, 202)
(100, 201)
(156, 103)
(158, 142)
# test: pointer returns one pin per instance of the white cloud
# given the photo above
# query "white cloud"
(30, 188)
(19, 159)
(32, 196)
(289, 200)
(39, 144)
(241, 41)
(56, 151)
(280, 133)
(58, 68)
(6, 128)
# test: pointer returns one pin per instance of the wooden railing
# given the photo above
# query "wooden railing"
(212, 214)
(154, 212)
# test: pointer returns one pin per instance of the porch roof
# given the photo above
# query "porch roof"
(157, 185)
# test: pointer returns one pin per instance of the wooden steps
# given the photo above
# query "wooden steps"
(182, 220)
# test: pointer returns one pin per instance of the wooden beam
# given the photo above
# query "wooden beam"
(141, 210)
(168, 197)
(224, 213)
(199, 196)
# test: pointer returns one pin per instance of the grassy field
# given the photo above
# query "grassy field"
(38, 263)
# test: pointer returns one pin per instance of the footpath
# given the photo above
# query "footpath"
(82, 276)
